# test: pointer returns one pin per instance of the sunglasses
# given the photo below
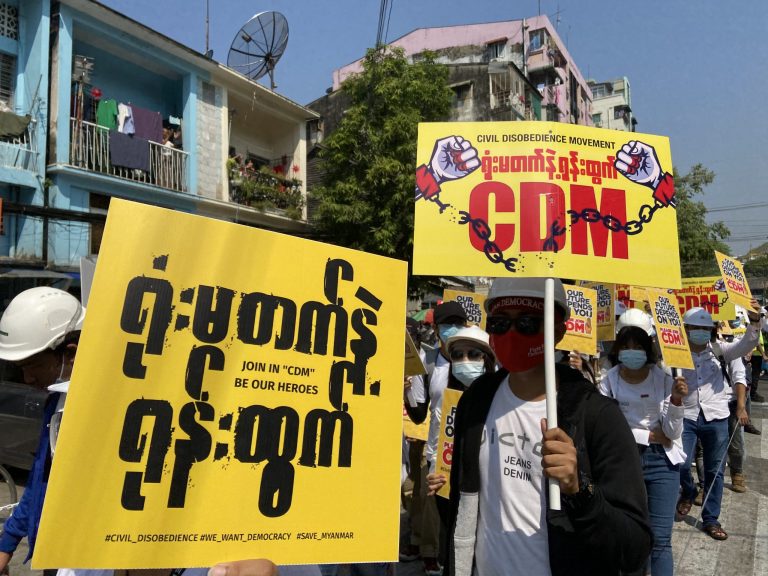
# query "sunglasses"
(472, 354)
(526, 325)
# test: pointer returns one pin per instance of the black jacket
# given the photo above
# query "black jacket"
(608, 533)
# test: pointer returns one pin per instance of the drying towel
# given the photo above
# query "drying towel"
(128, 151)
(147, 124)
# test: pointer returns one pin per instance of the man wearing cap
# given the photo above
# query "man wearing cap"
(503, 455)
(706, 409)
(39, 332)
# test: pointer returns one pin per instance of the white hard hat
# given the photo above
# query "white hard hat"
(698, 317)
(38, 319)
(521, 290)
(476, 336)
(635, 317)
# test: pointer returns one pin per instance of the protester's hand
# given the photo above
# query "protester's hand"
(679, 390)
(658, 437)
(575, 361)
(245, 568)
(638, 162)
(742, 415)
(435, 482)
(5, 559)
(559, 458)
(453, 158)
(754, 312)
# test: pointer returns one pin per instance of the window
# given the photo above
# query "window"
(462, 100)
(598, 91)
(618, 113)
(7, 79)
(597, 120)
(9, 21)
(497, 49)
(536, 40)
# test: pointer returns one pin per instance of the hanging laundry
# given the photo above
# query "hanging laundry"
(128, 151)
(147, 124)
(125, 119)
(106, 114)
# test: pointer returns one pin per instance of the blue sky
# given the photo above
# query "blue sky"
(697, 69)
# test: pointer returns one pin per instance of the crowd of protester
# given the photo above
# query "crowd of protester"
(622, 452)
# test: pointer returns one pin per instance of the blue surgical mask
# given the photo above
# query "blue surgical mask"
(467, 372)
(633, 359)
(699, 337)
(445, 331)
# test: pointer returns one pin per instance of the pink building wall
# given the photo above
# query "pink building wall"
(468, 35)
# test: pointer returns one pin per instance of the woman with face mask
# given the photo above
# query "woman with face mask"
(652, 403)
(471, 356)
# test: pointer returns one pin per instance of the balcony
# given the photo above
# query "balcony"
(89, 149)
(265, 190)
(20, 151)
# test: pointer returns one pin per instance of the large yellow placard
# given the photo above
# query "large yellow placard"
(545, 199)
(708, 292)
(237, 393)
(581, 327)
(669, 330)
(735, 280)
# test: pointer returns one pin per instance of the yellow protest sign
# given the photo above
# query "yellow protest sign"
(580, 329)
(445, 439)
(639, 294)
(473, 304)
(606, 319)
(413, 364)
(545, 199)
(669, 330)
(735, 280)
(232, 392)
(413, 430)
(709, 293)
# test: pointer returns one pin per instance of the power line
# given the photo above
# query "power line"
(738, 207)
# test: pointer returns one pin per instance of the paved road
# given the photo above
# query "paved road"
(744, 517)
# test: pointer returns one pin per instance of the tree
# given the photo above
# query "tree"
(698, 240)
(367, 200)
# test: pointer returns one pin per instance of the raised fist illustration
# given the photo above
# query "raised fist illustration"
(638, 162)
(452, 158)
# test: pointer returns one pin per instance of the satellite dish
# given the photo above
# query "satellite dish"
(258, 45)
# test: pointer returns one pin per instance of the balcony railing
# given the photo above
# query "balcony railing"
(89, 149)
(20, 151)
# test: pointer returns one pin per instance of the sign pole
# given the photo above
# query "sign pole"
(550, 377)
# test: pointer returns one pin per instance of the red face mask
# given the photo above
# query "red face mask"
(517, 352)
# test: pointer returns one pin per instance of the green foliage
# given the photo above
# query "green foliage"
(263, 189)
(367, 200)
(698, 240)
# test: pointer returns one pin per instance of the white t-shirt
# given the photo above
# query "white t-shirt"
(512, 526)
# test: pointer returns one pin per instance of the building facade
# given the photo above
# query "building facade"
(612, 104)
(101, 106)
(510, 60)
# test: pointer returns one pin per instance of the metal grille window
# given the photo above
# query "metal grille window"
(7, 78)
(9, 21)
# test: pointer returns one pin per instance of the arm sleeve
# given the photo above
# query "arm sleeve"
(743, 347)
(15, 528)
(737, 372)
(614, 522)
(671, 415)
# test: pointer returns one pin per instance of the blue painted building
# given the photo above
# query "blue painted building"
(85, 95)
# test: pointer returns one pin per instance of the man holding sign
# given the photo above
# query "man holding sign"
(706, 410)
(503, 455)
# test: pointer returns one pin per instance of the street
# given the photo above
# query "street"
(744, 517)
